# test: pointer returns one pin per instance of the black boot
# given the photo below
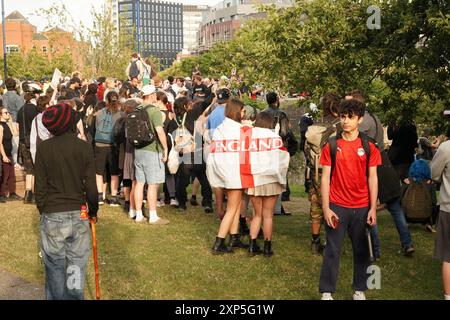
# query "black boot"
(235, 241)
(220, 247)
(268, 248)
(243, 228)
(28, 199)
(254, 249)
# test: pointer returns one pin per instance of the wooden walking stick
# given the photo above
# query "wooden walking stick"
(84, 215)
(94, 250)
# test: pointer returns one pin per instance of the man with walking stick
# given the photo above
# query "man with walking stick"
(64, 182)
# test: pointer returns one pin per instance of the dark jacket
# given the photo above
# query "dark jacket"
(65, 175)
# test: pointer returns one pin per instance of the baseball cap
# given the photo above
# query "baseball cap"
(222, 95)
(148, 89)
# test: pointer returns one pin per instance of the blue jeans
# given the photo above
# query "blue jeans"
(65, 246)
(398, 215)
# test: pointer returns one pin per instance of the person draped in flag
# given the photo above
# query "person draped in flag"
(242, 157)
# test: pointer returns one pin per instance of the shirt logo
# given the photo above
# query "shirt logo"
(361, 152)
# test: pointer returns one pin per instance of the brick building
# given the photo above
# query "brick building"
(22, 36)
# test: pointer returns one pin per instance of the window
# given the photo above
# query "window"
(125, 7)
(12, 48)
(44, 49)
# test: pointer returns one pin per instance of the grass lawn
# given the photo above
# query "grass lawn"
(140, 261)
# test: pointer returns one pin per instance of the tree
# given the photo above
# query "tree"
(107, 51)
(325, 45)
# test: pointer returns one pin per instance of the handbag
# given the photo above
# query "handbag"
(173, 159)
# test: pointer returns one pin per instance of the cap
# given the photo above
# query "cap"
(148, 89)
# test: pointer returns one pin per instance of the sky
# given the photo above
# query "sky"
(80, 9)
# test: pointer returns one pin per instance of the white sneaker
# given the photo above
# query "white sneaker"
(326, 296)
(174, 202)
(359, 295)
(140, 219)
(132, 215)
(160, 203)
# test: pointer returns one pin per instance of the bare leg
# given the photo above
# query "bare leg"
(255, 226)
(139, 195)
(267, 209)
(218, 193)
(126, 193)
(446, 277)
(114, 185)
(132, 196)
(99, 180)
(229, 220)
(152, 196)
(195, 187)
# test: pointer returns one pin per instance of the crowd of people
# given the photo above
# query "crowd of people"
(141, 142)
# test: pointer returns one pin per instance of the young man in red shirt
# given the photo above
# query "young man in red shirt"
(349, 199)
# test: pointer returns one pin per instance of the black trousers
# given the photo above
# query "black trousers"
(185, 171)
(352, 221)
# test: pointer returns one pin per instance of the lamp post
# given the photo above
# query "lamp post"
(5, 63)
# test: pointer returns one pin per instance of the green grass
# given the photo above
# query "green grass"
(139, 261)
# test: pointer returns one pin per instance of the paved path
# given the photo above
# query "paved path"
(14, 288)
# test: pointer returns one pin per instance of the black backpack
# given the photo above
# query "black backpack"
(134, 70)
(140, 132)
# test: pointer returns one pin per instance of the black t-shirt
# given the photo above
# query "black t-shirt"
(7, 139)
(30, 112)
(200, 89)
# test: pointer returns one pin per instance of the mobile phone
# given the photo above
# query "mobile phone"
(335, 222)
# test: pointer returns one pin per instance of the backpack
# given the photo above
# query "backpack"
(332, 141)
(140, 132)
(417, 203)
(183, 140)
(134, 70)
(104, 129)
(316, 137)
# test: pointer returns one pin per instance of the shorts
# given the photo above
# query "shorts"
(315, 198)
(107, 156)
(26, 159)
(149, 167)
(442, 243)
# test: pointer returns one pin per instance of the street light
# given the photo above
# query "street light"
(5, 64)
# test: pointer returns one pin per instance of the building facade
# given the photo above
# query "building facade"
(221, 22)
(22, 36)
(156, 26)
(192, 20)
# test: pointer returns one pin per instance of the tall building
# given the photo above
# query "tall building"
(222, 21)
(156, 26)
(192, 20)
